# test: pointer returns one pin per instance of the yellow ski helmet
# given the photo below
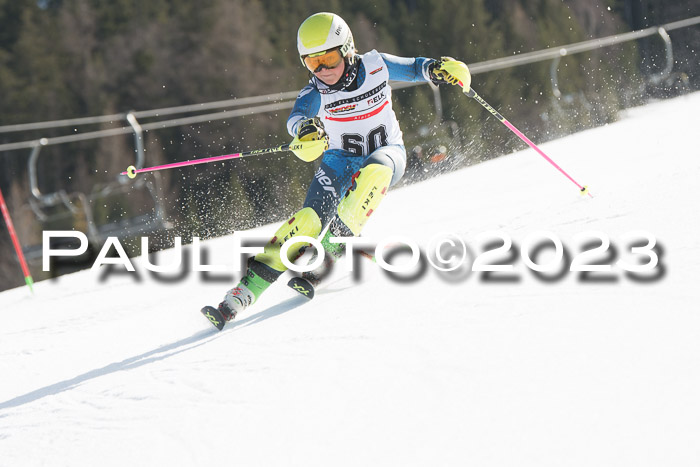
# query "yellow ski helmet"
(321, 32)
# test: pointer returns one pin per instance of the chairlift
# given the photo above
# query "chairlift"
(61, 210)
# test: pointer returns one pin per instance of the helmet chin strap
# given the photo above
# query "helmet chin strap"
(352, 66)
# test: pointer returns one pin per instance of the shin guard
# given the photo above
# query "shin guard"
(305, 222)
(369, 188)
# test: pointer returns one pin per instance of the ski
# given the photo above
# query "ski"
(307, 288)
(214, 316)
(302, 287)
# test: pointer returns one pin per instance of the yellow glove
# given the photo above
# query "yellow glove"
(449, 70)
(311, 140)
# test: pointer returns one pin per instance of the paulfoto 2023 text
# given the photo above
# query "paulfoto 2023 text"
(494, 254)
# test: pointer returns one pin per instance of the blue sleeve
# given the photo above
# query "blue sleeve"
(307, 105)
(407, 69)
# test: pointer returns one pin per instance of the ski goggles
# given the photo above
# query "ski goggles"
(326, 59)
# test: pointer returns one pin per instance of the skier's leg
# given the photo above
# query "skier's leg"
(267, 266)
(322, 199)
(331, 181)
(363, 190)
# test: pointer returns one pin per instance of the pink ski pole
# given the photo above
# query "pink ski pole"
(15, 241)
(131, 171)
(471, 93)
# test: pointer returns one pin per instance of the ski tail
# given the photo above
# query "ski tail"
(214, 316)
(302, 287)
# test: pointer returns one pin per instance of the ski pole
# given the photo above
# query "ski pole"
(18, 249)
(471, 93)
(131, 171)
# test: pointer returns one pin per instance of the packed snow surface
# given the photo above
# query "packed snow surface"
(455, 368)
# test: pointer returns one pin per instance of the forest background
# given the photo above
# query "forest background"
(63, 59)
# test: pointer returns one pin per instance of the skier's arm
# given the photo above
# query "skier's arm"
(445, 70)
(407, 69)
(307, 105)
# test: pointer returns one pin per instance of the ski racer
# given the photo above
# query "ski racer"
(347, 108)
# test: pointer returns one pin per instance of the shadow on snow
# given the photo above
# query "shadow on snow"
(155, 355)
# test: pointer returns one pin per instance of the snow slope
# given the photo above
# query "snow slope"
(449, 369)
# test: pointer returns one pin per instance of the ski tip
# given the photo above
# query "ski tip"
(302, 287)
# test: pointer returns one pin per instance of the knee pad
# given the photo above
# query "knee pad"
(305, 222)
(367, 191)
(390, 156)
